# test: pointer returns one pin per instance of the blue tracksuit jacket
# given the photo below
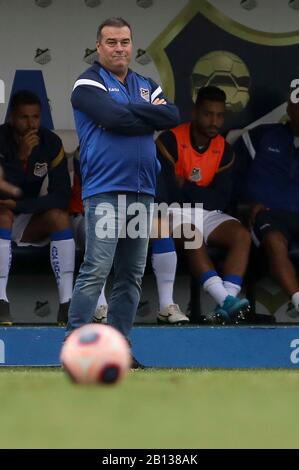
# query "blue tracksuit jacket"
(268, 166)
(115, 122)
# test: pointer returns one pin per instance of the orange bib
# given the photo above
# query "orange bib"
(200, 168)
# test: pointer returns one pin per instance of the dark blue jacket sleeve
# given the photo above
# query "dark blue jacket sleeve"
(161, 117)
(164, 116)
(245, 148)
(98, 105)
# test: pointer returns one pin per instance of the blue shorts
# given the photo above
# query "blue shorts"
(285, 222)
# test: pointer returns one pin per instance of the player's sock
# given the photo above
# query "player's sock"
(233, 284)
(5, 260)
(164, 261)
(213, 284)
(62, 253)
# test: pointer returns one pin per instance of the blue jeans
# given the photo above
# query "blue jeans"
(106, 221)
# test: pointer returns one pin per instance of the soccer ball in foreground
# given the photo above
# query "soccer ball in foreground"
(96, 354)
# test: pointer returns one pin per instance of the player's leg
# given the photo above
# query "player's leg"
(203, 269)
(274, 230)
(233, 237)
(164, 263)
(226, 232)
(55, 223)
(189, 232)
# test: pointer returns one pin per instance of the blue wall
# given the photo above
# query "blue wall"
(171, 347)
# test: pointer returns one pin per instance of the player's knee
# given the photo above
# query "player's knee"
(241, 237)
(160, 229)
(58, 219)
(6, 218)
(275, 241)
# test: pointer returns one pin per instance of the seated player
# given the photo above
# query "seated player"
(268, 177)
(197, 167)
(32, 159)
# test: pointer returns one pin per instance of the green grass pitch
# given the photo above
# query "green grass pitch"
(151, 409)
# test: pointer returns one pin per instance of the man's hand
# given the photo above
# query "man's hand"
(8, 188)
(27, 143)
(8, 204)
(255, 209)
(159, 101)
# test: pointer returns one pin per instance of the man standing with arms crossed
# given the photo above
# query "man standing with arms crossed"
(116, 113)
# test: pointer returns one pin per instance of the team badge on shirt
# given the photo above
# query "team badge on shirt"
(195, 174)
(40, 169)
(144, 93)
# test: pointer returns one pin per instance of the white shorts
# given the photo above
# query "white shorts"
(19, 225)
(204, 221)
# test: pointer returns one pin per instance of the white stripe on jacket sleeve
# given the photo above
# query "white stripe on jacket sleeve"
(86, 81)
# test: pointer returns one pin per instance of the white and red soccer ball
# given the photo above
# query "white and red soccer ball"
(96, 354)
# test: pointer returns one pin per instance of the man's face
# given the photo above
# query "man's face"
(293, 112)
(115, 49)
(209, 118)
(26, 118)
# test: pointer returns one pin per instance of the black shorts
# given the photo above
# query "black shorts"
(279, 220)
